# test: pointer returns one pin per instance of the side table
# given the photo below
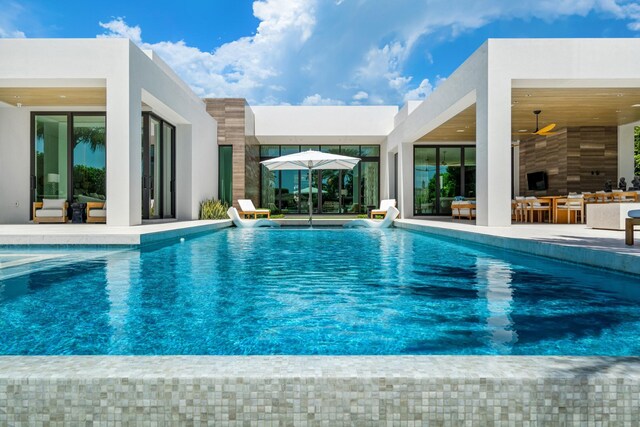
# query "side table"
(78, 210)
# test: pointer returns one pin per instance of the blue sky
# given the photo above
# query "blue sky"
(318, 52)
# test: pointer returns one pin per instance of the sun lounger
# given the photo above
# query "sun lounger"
(391, 214)
(384, 205)
(241, 223)
(247, 208)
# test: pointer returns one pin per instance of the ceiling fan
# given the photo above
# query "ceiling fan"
(545, 131)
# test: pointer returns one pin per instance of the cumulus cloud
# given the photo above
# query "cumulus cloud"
(304, 48)
(9, 17)
(319, 100)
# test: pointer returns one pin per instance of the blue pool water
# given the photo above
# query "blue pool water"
(321, 291)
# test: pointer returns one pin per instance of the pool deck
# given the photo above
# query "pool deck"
(102, 235)
(573, 243)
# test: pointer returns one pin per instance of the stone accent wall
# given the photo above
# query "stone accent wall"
(569, 158)
(230, 115)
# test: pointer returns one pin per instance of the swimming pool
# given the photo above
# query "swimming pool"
(320, 291)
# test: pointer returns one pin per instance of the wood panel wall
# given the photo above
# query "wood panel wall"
(230, 115)
(575, 159)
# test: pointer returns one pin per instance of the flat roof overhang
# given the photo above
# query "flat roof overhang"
(566, 107)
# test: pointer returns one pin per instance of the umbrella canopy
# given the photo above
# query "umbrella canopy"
(311, 160)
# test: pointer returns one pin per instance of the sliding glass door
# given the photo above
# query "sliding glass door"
(68, 157)
(332, 191)
(50, 161)
(158, 168)
(440, 175)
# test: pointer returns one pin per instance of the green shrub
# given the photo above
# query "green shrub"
(277, 216)
(213, 209)
(362, 216)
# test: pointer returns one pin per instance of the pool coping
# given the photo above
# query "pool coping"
(625, 260)
(319, 390)
(77, 235)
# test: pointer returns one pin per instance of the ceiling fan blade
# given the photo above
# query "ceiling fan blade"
(547, 133)
(546, 129)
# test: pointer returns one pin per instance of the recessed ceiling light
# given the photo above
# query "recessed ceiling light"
(63, 96)
(460, 130)
(618, 111)
(522, 130)
(619, 94)
(16, 96)
(636, 105)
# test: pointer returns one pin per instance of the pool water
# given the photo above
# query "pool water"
(320, 291)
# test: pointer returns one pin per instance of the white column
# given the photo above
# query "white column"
(184, 173)
(405, 176)
(516, 169)
(124, 205)
(626, 160)
(493, 152)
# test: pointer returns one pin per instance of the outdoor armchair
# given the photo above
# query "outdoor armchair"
(50, 210)
(97, 212)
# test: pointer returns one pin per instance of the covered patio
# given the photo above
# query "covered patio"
(476, 137)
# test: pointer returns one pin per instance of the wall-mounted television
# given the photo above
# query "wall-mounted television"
(537, 181)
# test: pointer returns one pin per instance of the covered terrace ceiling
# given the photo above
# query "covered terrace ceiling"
(54, 96)
(565, 106)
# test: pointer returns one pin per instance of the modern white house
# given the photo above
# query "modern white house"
(99, 119)
(164, 150)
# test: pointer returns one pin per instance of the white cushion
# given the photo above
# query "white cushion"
(49, 213)
(53, 203)
(98, 213)
(387, 203)
(246, 205)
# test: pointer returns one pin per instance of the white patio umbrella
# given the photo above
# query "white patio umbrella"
(311, 160)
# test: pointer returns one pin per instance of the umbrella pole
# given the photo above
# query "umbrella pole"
(310, 201)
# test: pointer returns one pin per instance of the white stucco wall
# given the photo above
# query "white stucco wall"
(130, 76)
(374, 122)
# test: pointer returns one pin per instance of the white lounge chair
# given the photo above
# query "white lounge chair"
(391, 214)
(50, 210)
(241, 223)
(247, 208)
(384, 206)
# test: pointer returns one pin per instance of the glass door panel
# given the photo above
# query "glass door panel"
(304, 191)
(51, 157)
(369, 188)
(289, 197)
(350, 200)
(270, 182)
(450, 183)
(168, 184)
(470, 172)
(155, 196)
(225, 163)
(424, 178)
(330, 191)
(89, 159)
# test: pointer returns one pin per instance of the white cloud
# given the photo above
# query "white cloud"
(339, 48)
(319, 100)
(361, 96)
(9, 17)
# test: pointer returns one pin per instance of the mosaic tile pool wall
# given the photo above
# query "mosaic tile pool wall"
(329, 391)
